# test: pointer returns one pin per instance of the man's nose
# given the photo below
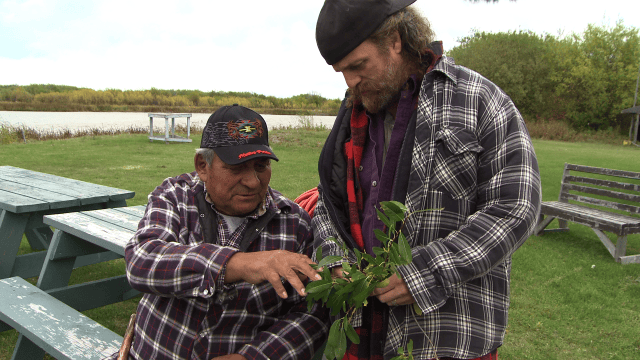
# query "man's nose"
(352, 80)
(250, 178)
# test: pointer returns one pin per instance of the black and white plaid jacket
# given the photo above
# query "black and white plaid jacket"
(472, 157)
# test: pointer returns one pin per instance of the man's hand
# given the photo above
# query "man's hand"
(394, 294)
(230, 357)
(336, 272)
(271, 266)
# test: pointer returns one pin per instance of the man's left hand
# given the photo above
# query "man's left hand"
(394, 294)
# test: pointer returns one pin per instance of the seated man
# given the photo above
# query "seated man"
(222, 258)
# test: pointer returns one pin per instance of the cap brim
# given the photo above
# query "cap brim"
(233, 155)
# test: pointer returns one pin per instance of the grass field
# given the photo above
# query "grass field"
(570, 300)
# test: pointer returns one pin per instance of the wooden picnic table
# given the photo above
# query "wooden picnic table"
(25, 197)
(103, 233)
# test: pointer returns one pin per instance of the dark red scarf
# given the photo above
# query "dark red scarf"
(373, 330)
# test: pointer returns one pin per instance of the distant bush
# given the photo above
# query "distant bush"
(69, 98)
(585, 80)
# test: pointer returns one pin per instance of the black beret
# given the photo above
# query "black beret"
(345, 24)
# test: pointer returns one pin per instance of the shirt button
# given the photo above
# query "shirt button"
(374, 183)
(360, 168)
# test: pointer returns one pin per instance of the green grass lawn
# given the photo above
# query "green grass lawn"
(570, 300)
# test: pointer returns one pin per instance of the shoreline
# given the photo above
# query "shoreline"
(82, 121)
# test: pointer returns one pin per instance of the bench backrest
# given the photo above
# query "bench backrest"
(614, 189)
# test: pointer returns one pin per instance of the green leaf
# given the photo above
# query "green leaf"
(385, 220)
(351, 333)
(410, 347)
(356, 275)
(341, 347)
(395, 255)
(404, 250)
(332, 341)
(395, 207)
(378, 251)
(318, 286)
(359, 298)
(394, 210)
(319, 254)
(417, 309)
(335, 303)
(358, 256)
(368, 258)
(380, 235)
(329, 260)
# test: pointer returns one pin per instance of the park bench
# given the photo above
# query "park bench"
(603, 199)
(49, 325)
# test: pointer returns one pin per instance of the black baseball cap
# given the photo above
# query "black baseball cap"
(237, 134)
(345, 24)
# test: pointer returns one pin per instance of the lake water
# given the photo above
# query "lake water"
(58, 121)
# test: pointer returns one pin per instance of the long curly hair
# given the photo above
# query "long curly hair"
(415, 33)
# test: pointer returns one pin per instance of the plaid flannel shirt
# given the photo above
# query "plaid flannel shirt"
(472, 158)
(188, 312)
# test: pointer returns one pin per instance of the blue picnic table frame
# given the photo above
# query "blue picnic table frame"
(26, 196)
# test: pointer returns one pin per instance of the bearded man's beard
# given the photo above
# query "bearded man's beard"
(378, 95)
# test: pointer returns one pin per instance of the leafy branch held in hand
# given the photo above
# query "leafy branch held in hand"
(344, 295)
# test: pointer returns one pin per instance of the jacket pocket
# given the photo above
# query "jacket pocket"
(456, 162)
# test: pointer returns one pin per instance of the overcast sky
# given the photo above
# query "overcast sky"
(261, 46)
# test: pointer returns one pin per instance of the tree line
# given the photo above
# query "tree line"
(60, 97)
(584, 80)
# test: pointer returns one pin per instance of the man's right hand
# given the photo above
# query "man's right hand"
(271, 266)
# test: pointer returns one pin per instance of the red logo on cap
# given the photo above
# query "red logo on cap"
(244, 155)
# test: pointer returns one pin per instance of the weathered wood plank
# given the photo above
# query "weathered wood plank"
(88, 192)
(603, 182)
(54, 199)
(52, 325)
(20, 204)
(601, 202)
(101, 233)
(602, 192)
(116, 217)
(604, 171)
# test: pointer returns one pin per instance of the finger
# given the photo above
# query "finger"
(295, 282)
(302, 266)
(301, 276)
(276, 282)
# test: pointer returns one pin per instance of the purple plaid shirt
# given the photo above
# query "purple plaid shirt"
(187, 312)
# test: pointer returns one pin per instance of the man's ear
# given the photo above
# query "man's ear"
(395, 44)
(201, 166)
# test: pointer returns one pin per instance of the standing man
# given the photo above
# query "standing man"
(419, 129)
(221, 257)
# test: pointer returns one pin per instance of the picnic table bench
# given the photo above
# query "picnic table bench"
(58, 304)
(26, 196)
(603, 199)
(49, 325)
